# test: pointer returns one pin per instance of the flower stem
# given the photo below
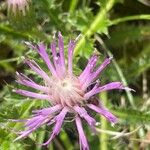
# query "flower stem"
(130, 18)
(73, 6)
(103, 137)
(95, 24)
(67, 143)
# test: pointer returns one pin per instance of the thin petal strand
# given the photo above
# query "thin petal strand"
(82, 138)
(24, 80)
(35, 67)
(103, 111)
(56, 59)
(59, 121)
(90, 66)
(106, 87)
(70, 56)
(93, 75)
(48, 111)
(83, 114)
(61, 50)
(32, 94)
(44, 55)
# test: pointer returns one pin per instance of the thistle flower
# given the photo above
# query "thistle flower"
(15, 6)
(65, 92)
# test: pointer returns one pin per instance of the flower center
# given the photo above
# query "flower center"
(67, 91)
(66, 85)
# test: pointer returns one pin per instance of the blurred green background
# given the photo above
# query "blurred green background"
(111, 27)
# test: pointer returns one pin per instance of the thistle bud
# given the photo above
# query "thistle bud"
(20, 13)
(18, 6)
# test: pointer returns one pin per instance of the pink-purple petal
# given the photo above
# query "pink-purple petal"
(103, 111)
(42, 51)
(91, 77)
(24, 80)
(90, 66)
(48, 111)
(33, 95)
(23, 135)
(61, 50)
(59, 121)
(56, 59)
(83, 114)
(82, 138)
(35, 67)
(70, 56)
(106, 87)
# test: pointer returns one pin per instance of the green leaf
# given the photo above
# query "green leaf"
(128, 115)
(141, 63)
(126, 34)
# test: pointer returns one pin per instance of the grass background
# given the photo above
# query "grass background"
(111, 27)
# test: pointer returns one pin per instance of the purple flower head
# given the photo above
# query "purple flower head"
(65, 92)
